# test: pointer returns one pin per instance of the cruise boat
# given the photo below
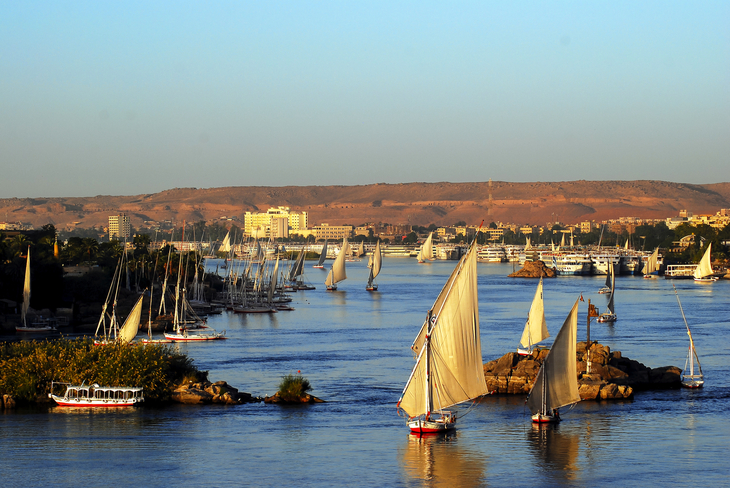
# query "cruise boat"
(492, 254)
(569, 264)
(98, 396)
(680, 271)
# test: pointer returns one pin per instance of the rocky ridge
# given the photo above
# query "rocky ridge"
(417, 203)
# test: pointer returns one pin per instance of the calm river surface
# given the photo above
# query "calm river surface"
(353, 346)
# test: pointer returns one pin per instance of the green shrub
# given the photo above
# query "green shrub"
(293, 387)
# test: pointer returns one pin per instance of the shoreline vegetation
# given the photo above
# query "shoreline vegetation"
(27, 369)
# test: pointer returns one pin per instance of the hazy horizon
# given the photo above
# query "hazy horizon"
(137, 98)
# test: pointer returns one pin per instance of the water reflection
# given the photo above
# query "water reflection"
(557, 451)
(440, 460)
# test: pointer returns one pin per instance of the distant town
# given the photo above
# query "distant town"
(281, 224)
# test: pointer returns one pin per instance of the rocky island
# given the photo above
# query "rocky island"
(612, 376)
(534, 269)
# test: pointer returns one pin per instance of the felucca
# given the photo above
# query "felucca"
(703, 272)
(24, 327)
(425, 253)
(322, 256)
(535, 327)
(691, 378)
(337, 273)
(610, 315)
(376, 260)
(556, 384)
(651, 268)
(448, 368)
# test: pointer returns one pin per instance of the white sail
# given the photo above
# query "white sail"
(226, 245)
(652, 263)
(131, 326)
(536, 327)
(376, 259)
(361, 249)
(562, 241)
(26, 290)
(704, 269)
(556, 384)
(426, 251)
(626, 246)
(527, 244)
(612, 272)
(337, 273)
(452, 353)
(323, 255)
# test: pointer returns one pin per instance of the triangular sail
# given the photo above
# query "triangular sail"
(704, 269)
(536, 327)
(426, 251)
(652, 261)
(613, 288)
(131, 326)
(562, 241)
(376, 260)
(298, 267)
(323, 256)
(226, 245)
(608, 276)
(361, 249)
(338, 267)
(527, 244)
(557, 381)
(26, 290)
(456, 372)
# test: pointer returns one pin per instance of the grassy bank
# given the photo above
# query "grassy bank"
(27, 368)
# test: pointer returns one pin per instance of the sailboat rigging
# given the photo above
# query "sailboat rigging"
(556, 384)
(448, 368)
(690, 377)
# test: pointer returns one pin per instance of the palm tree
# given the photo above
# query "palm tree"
(90, 247)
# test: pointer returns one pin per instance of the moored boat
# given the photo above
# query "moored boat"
(98, 396)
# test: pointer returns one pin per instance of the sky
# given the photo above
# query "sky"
(127, 98)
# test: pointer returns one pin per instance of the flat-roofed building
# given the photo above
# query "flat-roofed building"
(326, 231)
(119, 226)
(261, 223)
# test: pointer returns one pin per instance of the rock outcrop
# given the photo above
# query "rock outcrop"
(612, 376)
(205, 392)
(534, 269)
(306, 398)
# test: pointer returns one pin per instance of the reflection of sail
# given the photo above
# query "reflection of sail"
(557, 452)
(441, 461)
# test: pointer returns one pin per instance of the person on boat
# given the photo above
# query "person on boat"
(556, 414)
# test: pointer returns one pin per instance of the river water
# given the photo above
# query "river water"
(353, 346)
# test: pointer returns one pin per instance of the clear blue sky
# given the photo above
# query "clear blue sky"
(123, 98)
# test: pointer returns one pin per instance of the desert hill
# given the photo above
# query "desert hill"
(415, 203)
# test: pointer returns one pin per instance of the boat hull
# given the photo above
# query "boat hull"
(607, 318)
(83, 403)
(193, 337)
(437, 426)
(541, 418)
